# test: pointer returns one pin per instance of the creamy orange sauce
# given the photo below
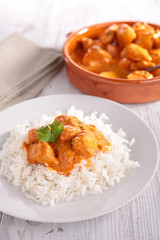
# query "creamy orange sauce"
(77, 142)
(120, 50)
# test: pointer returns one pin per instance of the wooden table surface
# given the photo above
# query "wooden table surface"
(47, 23)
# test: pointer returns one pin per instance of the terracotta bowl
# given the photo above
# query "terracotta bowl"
(120, 90)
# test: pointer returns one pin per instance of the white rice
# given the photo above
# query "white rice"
(48, 187)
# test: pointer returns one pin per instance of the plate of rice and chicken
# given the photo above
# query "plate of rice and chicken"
(67, 158)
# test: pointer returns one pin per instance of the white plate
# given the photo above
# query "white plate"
(145, 151)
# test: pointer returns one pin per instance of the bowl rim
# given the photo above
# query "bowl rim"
(71, 35)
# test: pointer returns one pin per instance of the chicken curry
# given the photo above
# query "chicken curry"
(75, 143)
(121, 51)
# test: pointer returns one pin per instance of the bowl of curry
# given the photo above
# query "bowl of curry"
(113, 60)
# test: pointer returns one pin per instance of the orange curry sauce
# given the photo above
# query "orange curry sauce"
(77, 142)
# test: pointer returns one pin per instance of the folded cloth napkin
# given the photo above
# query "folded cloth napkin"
(25, 68)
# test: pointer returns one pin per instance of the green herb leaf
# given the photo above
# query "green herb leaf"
(46, 134)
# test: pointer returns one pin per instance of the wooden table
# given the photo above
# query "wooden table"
(47, 23)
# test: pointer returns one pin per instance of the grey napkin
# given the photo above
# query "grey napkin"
(25, 68)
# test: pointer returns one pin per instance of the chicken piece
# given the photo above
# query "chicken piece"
(96, 59)
(137, 53)
(102, 143)
(141, 26)
(156, 39)
(144, 64)
(144, 39)
(69, 132)
(65, 156)
(41, 152)
(124, 63)
(144, 35)
(88, 42)
(64, 119)
(155, 54)
(112, 50)
(141, 65)
(139, 75)
(125, 34)
(33, 135)
(109, 34)
(67, 120)
(156, 72)
(96, 54)
(85, 144)
(110, 74)
(71, 121)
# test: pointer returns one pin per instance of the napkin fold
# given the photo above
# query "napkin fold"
(25, 68)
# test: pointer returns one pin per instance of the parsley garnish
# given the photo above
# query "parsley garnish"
(46, 134)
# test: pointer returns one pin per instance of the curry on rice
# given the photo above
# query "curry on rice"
(77, 142)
